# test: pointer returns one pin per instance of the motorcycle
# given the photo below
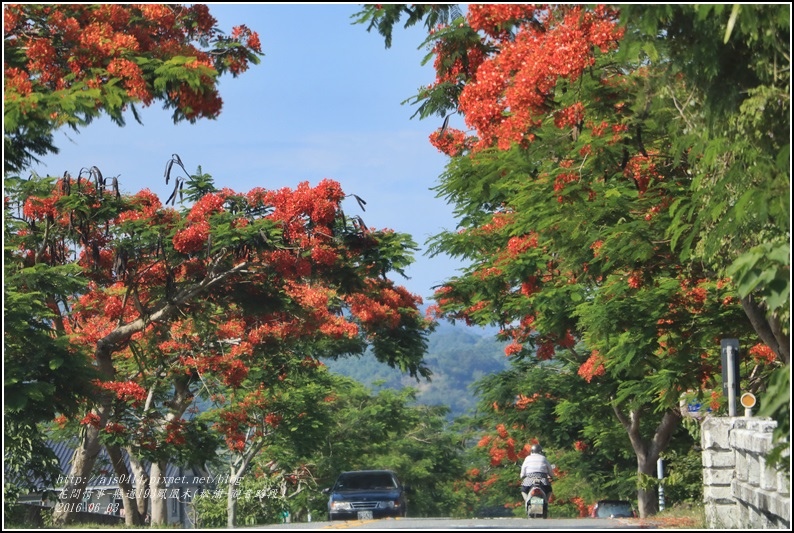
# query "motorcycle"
(536, 502)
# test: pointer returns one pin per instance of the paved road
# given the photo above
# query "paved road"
(478, 523)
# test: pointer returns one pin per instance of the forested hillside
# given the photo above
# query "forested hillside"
(457, 355)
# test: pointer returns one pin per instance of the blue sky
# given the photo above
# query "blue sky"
(325, 102)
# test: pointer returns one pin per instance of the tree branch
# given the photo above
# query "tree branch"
(766, 329)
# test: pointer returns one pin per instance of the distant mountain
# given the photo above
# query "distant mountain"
(457, 355)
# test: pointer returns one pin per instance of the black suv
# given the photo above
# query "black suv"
(366, 494)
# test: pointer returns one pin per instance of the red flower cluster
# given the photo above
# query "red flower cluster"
(174, 432)
(370, 311)
(692, 298)
(530, 286)
(124, 390)
(232, 329)
(205, 207)
(513, 348)
(320, 205)
(580, 505)
(635, 280)
(593, 367)
(519, 245)
(716, 400)
(522, 402)
(545, 351)
(193, 238)
(503, 446)
(17, 81)
(97, 42)
(642, 170)
(507, 97)
(273, 419)
(37, 209)
(492, 19)
(233, 424)
(238, 63)
(91, 419)
(115, 428)
(570, 116)
(763, 354)
(451, 142)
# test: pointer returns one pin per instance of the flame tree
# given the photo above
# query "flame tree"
(67, 64)
(180, 299)
(573, 184)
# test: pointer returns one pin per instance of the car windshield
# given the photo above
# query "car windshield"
(365, 481)
(607, 509)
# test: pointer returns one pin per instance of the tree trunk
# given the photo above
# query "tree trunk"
(82, 463)
(235, 476)
(128, 494)
(177, 406)
(648, 451)
(231, 499)
(158, 494)
(85, 456)
(647, 498)
(141, 482)
(768, 328)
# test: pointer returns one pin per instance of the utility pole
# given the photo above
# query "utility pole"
(730, 372)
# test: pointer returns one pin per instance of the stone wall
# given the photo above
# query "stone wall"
(740, 490)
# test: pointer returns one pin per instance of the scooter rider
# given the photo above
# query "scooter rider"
(536, 470)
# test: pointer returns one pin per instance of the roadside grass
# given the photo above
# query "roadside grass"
(680, 516)
(86, 525)
(31, 518)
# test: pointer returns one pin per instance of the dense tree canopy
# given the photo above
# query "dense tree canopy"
(354, 428)
(608, 191)
(230, 289)
(42, 376)
(621, 179)
(66, 64)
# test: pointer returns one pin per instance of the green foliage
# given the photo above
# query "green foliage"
(683, 476)
(43, 374)
(383, 430)
(763, 271)
(634, 270)
(564, 410)
(195, 185)
(350, 428)
(384, 17)
(735, 136)
(28, 463)
(736, 218)
(260, 502)
(776, 403)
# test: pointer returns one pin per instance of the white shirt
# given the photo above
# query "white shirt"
(535, 463)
